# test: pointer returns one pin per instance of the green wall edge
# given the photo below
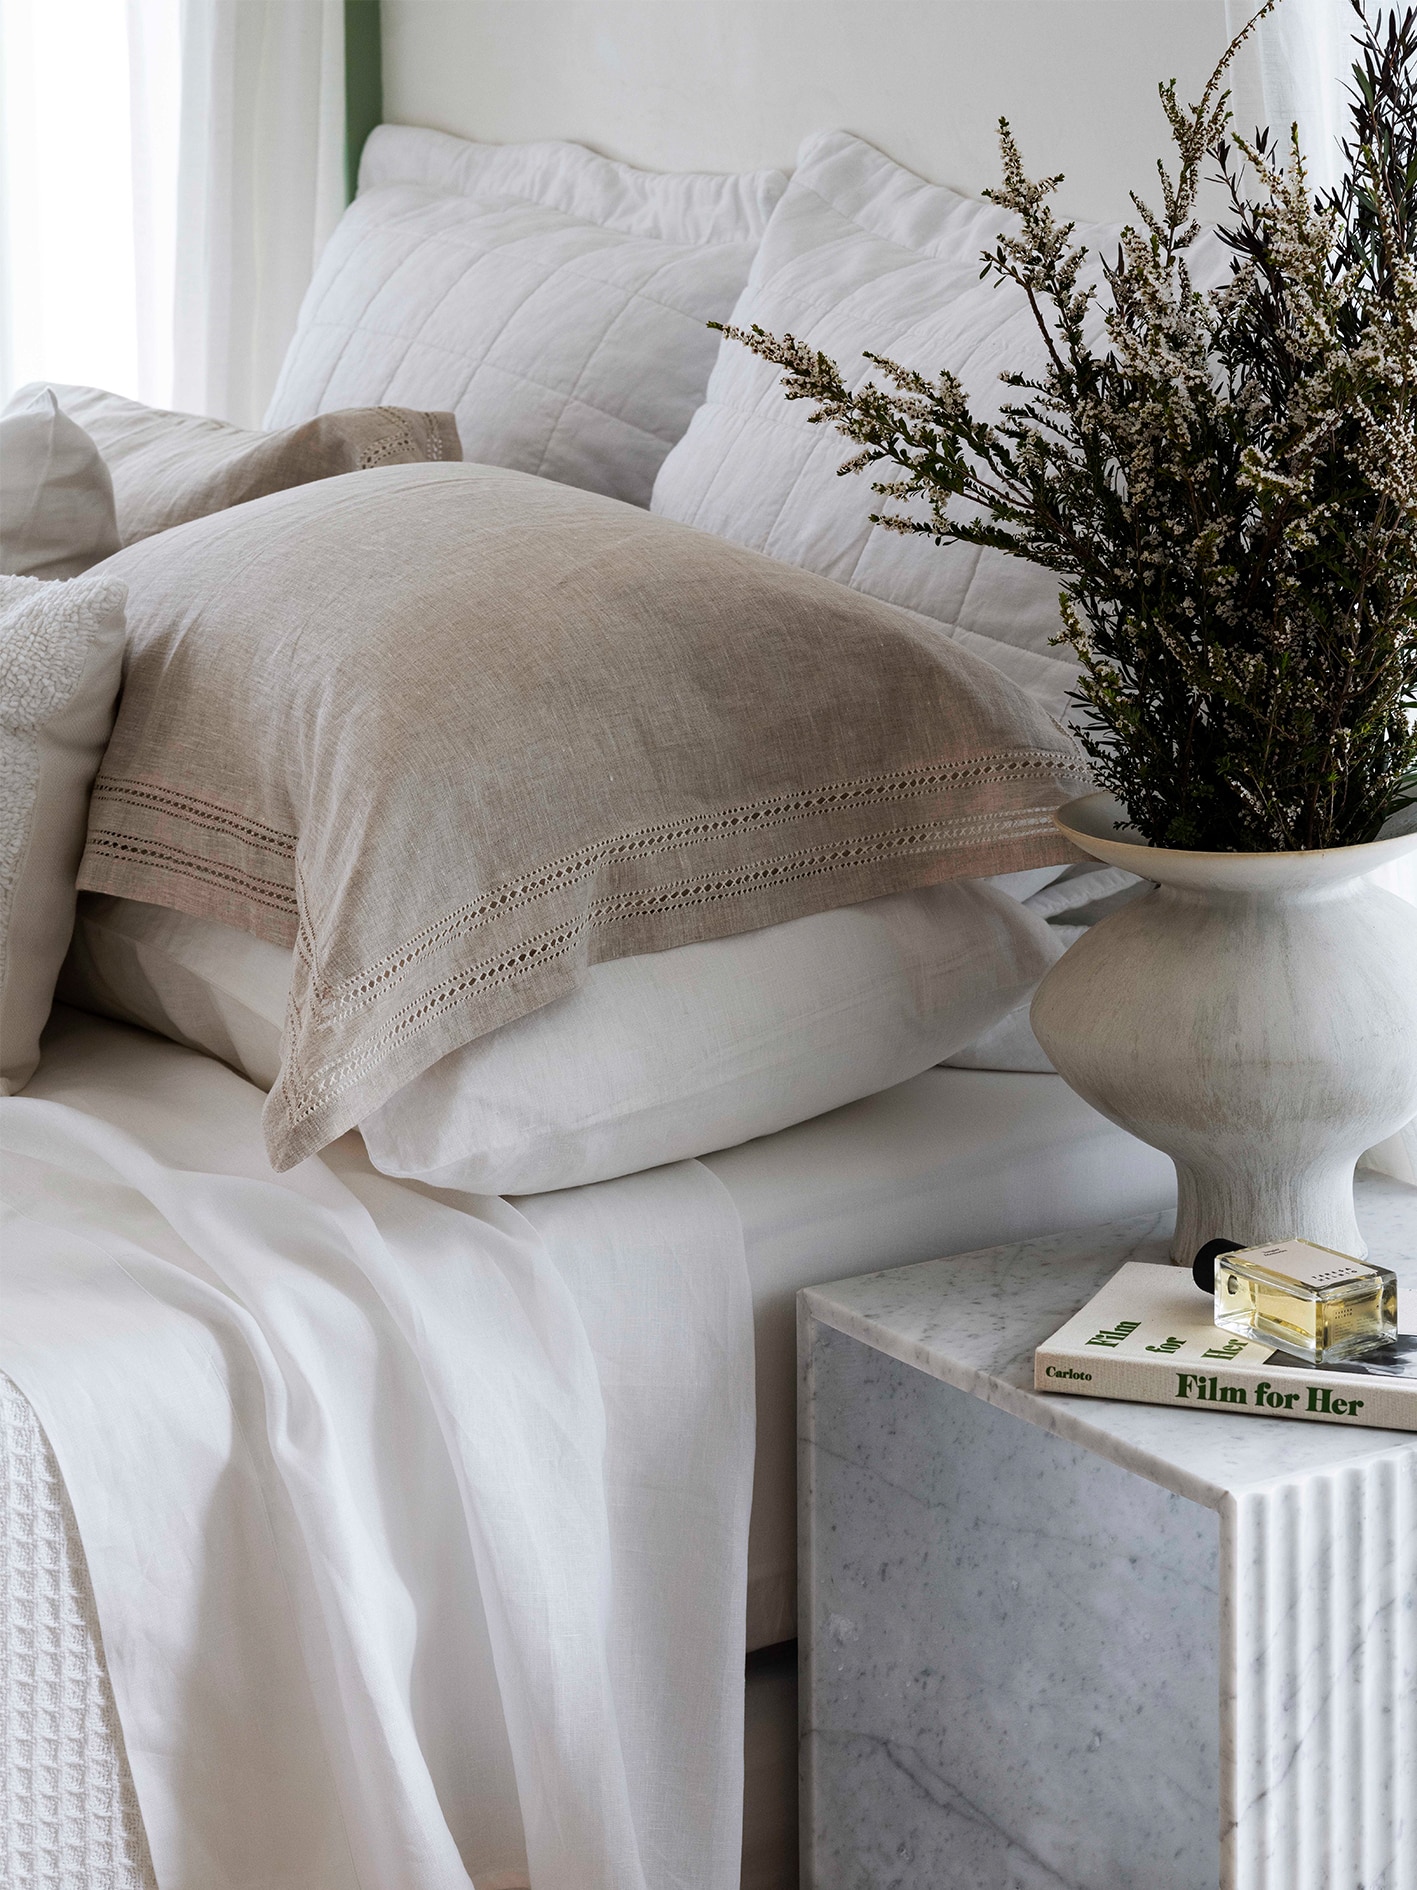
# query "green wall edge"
(363, 82)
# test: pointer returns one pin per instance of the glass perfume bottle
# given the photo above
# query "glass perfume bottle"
(1307, 1300)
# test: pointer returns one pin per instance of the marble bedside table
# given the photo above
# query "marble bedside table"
(1052, 1641)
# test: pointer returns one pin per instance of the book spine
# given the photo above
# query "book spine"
(1370, 1403)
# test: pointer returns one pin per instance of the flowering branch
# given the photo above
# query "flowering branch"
(1223, 481)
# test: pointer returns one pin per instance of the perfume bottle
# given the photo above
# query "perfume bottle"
(1317, 1304)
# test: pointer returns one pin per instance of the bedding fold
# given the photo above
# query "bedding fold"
(413, 1564)
(456, 734)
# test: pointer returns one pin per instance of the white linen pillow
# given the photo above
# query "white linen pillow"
(862, 254)
(57, 511)
(205, 985)
(61, 660)
(554, 301)
(652, 1060)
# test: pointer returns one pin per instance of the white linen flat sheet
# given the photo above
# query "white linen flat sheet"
(293, 1483)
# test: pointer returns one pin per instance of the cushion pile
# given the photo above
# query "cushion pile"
(456, 734)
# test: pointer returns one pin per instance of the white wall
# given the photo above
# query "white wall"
(735, 84)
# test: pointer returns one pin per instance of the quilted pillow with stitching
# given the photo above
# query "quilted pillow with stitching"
(861, 253)
(555, 302)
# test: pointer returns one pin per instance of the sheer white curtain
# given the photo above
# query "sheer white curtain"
(169, 170)
(1296, 74)
(260, 187)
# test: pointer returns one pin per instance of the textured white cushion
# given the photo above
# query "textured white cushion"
(554, 301)
(61, 658)
(57, 514)
(861, 254)
(652, 1060)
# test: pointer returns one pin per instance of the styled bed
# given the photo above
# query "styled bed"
(559, 881)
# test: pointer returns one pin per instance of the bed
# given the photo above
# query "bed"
(378, 1512)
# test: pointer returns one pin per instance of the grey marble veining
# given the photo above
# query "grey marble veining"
(1051, 1641)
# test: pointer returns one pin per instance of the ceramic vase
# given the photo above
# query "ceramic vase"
(1255, 1017)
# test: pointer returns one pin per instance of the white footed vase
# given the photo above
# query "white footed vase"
(1255, 1017)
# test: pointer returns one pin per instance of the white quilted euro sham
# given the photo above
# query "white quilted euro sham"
(862, 254)
(554, 301)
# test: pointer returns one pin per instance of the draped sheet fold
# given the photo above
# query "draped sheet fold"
(416, 1524)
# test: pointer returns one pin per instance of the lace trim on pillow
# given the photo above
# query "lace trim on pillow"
(172, 859)
(400, 442)
(366, 987)
(194, 811)
(304, 1097)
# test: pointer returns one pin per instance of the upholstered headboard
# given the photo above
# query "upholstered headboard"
(735, 84)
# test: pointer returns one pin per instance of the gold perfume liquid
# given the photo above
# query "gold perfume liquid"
(1319, 1305)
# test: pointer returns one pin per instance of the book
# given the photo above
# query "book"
(1149, 1337)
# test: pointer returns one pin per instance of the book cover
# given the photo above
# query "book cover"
(1148, 1337)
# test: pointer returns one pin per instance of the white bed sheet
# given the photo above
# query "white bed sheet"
(407, 1528)
(953, 1160)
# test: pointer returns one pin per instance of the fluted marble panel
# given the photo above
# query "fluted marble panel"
(1053, 1641)
(1319, 1679)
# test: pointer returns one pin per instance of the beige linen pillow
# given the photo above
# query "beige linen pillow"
(56, 496)
(168, 468)
(457, 733)
(61, 657)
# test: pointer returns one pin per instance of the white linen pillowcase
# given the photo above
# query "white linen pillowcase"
(654, 1059)
(557, 303)
(61, 661)
(861, 253)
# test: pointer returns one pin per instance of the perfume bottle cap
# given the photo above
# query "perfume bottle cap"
(1203, 1266)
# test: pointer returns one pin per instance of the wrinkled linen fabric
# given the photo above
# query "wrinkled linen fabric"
(417, 1560)
(167, 468)
(456, 734)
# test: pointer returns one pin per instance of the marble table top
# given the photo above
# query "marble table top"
(974, 1321)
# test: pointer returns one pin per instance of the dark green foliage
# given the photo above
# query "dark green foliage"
(1225, 482)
